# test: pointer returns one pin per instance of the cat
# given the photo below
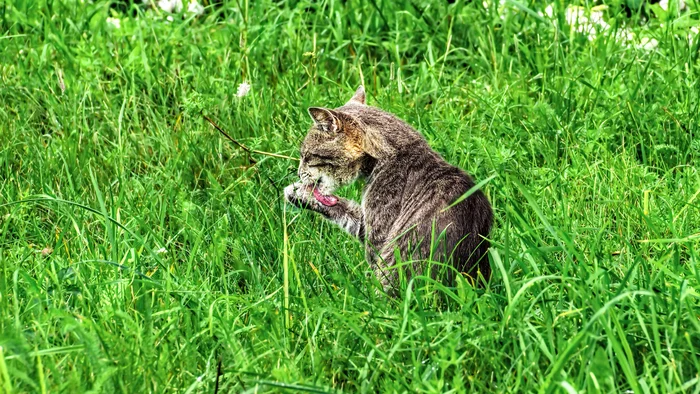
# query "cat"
(406, 199)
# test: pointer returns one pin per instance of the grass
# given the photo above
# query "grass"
(142, 252)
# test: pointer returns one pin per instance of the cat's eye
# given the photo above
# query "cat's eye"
(316, 160)
(318, 157)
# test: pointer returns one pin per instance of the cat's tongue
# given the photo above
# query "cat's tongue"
(328, 201)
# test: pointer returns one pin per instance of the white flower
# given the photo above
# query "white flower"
(590, 23)
(693, 35)
(170, 5)
(114, 22)
(597, 18)
(502, 9)
(195, 8)
(243, 89)
(664, 5)
(624, 36)
(574, 14)
(161, 251)
(549, 11)
(648, 44)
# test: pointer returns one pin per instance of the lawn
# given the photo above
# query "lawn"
(140, 251)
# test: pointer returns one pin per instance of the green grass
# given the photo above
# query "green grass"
(172, 263)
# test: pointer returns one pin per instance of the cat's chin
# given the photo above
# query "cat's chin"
(327, 200)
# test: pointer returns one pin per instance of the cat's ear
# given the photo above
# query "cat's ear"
(374, 144)
(325, 119)
(358, 97)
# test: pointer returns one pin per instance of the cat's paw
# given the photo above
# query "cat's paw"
(298, 195)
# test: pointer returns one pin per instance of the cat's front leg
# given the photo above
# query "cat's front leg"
(345, 213)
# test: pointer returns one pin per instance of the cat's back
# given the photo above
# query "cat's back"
(422, 181)
(410, 164)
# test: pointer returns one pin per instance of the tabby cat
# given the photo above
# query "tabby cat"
(406, 213)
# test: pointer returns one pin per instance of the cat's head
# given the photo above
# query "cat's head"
(333, 151)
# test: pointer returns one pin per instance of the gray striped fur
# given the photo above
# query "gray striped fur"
(408, 186)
